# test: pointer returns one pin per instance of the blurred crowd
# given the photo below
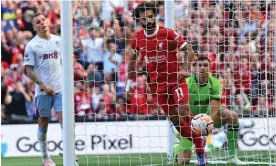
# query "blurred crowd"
(237, 36)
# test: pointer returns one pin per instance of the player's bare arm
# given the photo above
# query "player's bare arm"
(131, 72)
(187, 58)
(33, 76)
(191, 54)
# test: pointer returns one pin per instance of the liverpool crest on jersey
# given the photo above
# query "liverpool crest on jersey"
(160, 46)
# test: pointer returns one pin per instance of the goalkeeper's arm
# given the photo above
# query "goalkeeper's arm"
(216, 99)
(215, 105)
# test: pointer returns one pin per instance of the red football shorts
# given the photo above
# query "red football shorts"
(177, 94)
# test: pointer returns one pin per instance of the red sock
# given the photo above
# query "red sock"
(188, 119)
(197, 140)
(185, 131)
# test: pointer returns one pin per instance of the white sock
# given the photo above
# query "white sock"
(42, 140)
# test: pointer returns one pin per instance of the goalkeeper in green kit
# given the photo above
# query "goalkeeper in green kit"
(205, 97)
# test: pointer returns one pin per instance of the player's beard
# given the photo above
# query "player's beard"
(149, 26)
(203, 75)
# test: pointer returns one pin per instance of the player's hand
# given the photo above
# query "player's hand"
(128, 89)
(182, 75)
(47, 89)
(129, 94)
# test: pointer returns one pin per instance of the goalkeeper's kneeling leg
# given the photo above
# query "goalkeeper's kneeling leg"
(183, 151)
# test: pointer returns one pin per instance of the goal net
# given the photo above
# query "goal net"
(238, 37)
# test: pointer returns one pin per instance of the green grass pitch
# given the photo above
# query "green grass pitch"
(135, 159)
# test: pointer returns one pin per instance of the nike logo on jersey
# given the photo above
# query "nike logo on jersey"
(142, 48)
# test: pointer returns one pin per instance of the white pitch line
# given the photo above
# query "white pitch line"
(225, 162)
(220, 162)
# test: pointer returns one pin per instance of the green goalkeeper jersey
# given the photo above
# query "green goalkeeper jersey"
(201, 95)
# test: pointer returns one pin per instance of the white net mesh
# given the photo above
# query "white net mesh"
(237, 36)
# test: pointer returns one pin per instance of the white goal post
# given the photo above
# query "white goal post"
(68, 83)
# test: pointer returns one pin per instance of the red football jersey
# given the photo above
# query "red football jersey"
(82, 102)
(159, 51)
(139, 101)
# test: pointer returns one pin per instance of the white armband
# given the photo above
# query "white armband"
(128, 85)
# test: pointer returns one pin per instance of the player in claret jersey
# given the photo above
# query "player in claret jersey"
(43, 65)
(158, 47)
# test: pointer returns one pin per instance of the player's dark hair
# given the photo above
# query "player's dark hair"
(142, 7)
(36, 15)
(203, 58)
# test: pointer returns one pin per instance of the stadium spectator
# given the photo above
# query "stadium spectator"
(96, 95)
(263, 106)
(122, 74)
(103, 111)
(120, 108)
(79, 72)
(3, 93)
(241, 105)
(6, 47)
(15, 99)
(239, 37)
(28, 11)
(95, 77)
(138, 100)
(9, 17)
(107, 10)
(161, 13)
(82, 100)
(111, 61)
(109, 95)
(82, 19)
(94, 47)
(53, 17)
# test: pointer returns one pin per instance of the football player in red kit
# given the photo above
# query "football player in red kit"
(157, 46)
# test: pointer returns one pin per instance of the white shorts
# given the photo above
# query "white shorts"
(45, 103)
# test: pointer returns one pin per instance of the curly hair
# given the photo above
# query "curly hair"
(142, 7)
